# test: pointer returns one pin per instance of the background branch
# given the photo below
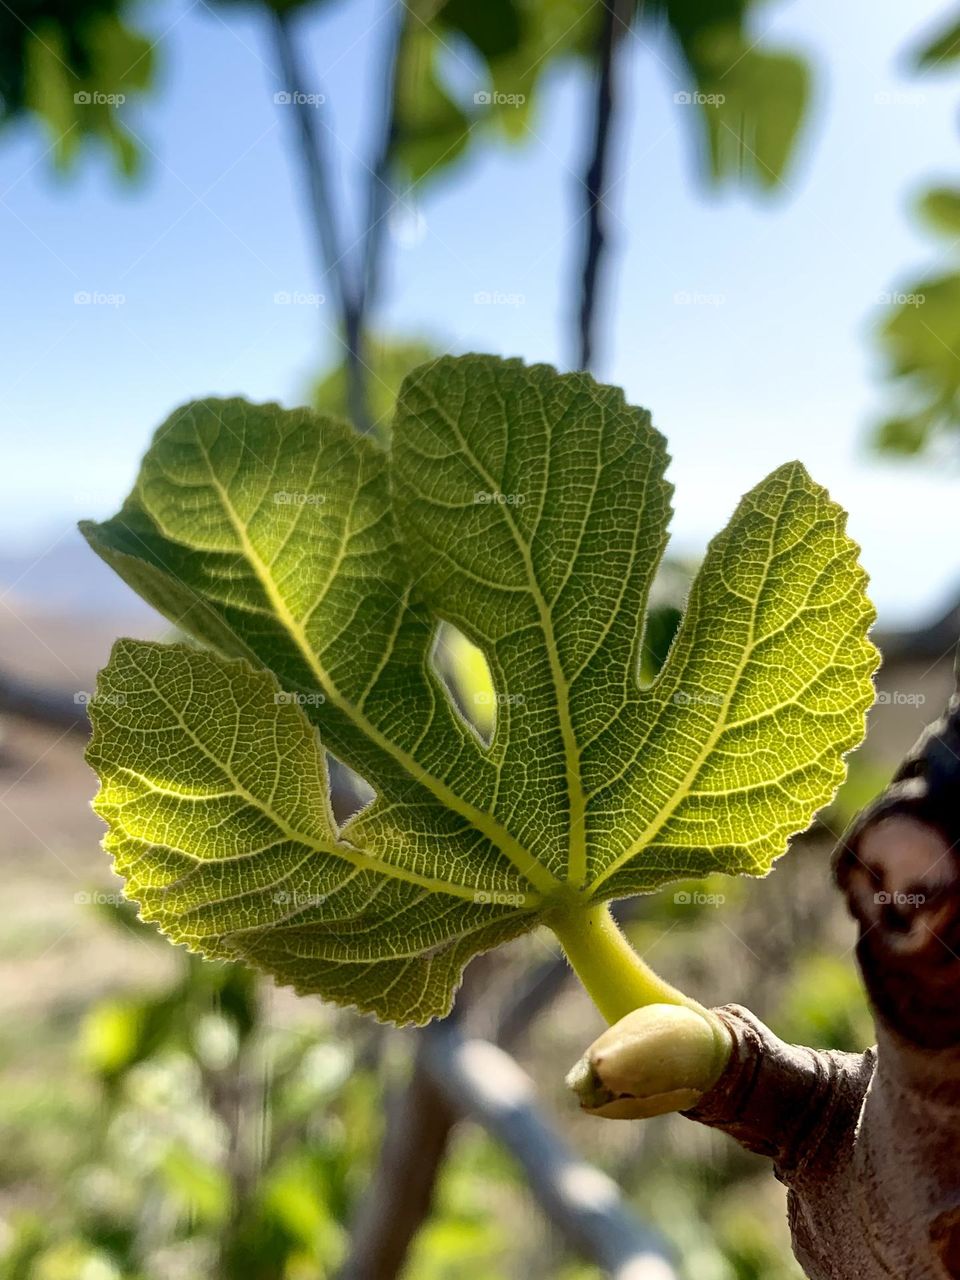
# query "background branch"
(586, 1206)
(400, 1195)
(867, 1143)
(420, 1122)
(42, 706)
(380, 191)
(614, 24)
(315, 172)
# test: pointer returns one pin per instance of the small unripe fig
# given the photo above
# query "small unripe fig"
(660, 1058)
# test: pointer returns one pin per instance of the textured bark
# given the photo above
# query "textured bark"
(868, 1145)
(865, 1143)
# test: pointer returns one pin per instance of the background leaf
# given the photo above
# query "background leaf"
(942, 49)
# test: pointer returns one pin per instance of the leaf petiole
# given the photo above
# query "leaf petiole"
(616, 978)
(619, 982)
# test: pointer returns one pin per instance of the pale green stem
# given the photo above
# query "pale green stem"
(650, 1065)
(615, 977)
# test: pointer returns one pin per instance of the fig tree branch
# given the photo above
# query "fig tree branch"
(868, 1144)
(400, 1195)
(380, 189)
(420, 1121)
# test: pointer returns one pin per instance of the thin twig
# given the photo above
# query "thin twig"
(614, 24)
(380, 191)
(315, 166)
(420, 1121)
(399, 1196)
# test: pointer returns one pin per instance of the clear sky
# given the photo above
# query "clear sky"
(778, 364)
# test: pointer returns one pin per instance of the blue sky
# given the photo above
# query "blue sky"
(777, 364)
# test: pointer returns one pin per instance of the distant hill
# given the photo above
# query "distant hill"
(63, 575)
(61, 608)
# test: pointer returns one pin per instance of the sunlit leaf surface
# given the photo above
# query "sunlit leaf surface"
(529, 510)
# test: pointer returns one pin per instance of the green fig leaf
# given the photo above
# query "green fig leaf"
(529, 510)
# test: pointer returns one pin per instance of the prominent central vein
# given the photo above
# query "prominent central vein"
(577, 847)
(340, 849)
(682, 790)
(512, 849)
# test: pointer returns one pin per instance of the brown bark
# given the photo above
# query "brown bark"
(865, 1143)
(868, 1145)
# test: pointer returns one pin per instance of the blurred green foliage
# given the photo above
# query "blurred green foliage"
(208, 1143)
(388, 360)
(920, 338)
(73, 63)
(750, 101)
(754, 99)
(940, 49)
(920, 333)
(865, 779)
(192, 1132)
(824, 1005)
